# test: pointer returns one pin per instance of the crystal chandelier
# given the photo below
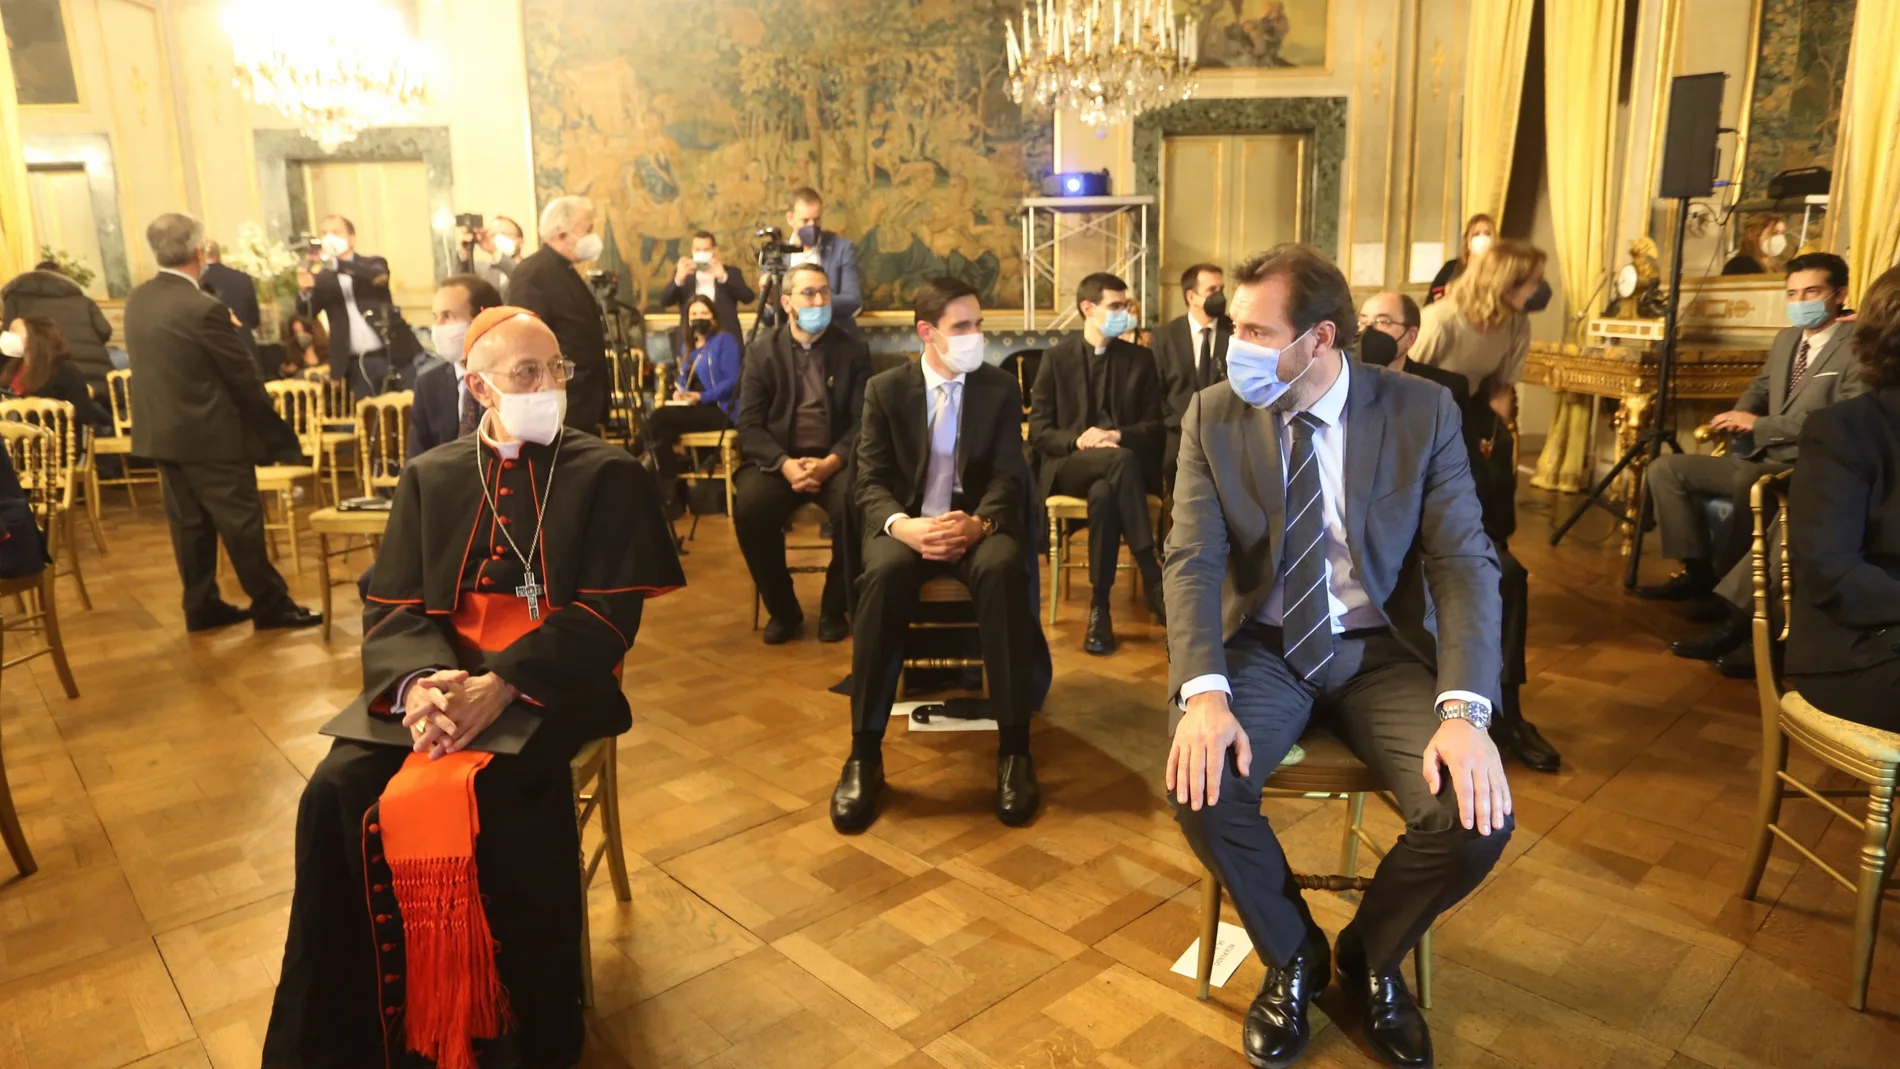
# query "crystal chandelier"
(354, 68)
(1108, 60)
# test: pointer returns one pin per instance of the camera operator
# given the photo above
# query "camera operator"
(501, 244)
(836, 256)
(703, 274)
(548, 285)
(349, 291)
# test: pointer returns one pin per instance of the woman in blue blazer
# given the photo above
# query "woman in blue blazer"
(705, 395)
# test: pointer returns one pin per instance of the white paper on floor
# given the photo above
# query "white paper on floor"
(938, 723)
(1231, 947)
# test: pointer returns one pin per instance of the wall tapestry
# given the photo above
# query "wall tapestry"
(1799, 72)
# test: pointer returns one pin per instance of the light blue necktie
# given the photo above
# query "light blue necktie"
(940, 477)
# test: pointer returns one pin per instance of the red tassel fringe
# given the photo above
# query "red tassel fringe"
(454, 991)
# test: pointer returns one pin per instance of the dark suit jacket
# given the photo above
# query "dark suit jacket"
(1174, 361)
(894, 448)
(1414, 528)
(1059, 403)
(436, 415)
(1832, 376)
(236, 290)
(1495, 476)
(1844, 537)
(22, 547)
(727, 297)
(196, 395)
(369, 282)
(768, 394)
(546, 284)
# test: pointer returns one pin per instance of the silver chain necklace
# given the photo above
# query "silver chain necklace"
(529, 589)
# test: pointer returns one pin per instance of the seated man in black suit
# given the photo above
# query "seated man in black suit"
(800, 397)
(1095, 416)
(1191, 352)
(1388, 325)
(444, 410)
(940, 482)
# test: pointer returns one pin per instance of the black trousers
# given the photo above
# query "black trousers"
(367, 372)
(1377, 698)
(663, 430)
(887, 602)
(761, 503)
(1111, 481)
(1863, 695)
(206, 502)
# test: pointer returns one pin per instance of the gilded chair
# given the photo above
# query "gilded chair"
(597, 790)
(939, 599)
(621, 399)
(382, 439)
(301, 406)
(813, 513)
(1064, 513)
(119, 403)
(725, 460)
(1320, 766)
(1869, 755)
(56, 418)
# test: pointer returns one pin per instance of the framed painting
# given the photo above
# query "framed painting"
(39, 42)
(1264, 36)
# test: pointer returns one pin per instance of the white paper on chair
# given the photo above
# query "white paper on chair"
(1231, 947)
(938, 723)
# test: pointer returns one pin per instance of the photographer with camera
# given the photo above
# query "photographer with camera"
(704, 275)
(548, 285)
(500, 244)
(368, 338)
(813, 244)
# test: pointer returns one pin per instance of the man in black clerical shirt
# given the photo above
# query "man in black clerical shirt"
(941, 484)
(1095, 416)
(548, 285)
(1191, 351)
(800, 398)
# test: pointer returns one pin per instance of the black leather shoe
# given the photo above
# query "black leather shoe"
(1686, 585)
(1522, 739)
(219, 614)
(833, 629)
(1017, 795)
(285, 619)
(1707, 611)
(1158, 605)
(778, 632)
(1276, 1031)
(1738, 663)
(1713, 643)
(854, 802)
(1100, 639)
(1389, 1020)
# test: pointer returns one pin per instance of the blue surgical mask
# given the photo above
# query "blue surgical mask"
(814, 320)
(1254, 371)
(1808, 315)
(1117, 323)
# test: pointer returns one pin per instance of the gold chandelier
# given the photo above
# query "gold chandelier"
(1107, 60)
(354, 68)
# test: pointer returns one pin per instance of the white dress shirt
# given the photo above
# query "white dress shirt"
(1350, 606)
(704, 284)
(174, 271)
(363, 337)
(943, 415)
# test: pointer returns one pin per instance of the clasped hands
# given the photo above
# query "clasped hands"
(1457, 751)
(945, 538)
(1735, 422)
(446, 710)
(1097, 438)
(808, 474)
(687, 266)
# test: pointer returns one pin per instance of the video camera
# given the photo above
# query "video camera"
(772, 249)
(605, 284)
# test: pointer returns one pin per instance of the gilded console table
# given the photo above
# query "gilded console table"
(1628, 374)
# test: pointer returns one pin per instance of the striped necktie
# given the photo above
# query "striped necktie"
(1306, 623)
(1800, 369)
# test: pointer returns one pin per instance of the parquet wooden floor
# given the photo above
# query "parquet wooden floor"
(160, 806)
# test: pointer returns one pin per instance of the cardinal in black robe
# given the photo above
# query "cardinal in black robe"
(437, 912)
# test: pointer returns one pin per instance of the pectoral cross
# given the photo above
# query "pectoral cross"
(532, 591)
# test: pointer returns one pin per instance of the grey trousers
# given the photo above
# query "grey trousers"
(1675, 479)
(1738, 585)
(1379, 700)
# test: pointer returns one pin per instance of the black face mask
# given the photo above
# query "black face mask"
(1377, 347)
(702, 327)
(1539, 298)
(1215, 306)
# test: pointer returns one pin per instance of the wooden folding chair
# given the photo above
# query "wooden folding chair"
(56, 418)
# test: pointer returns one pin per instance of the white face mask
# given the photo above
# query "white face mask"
(963, 353)
(335, 245)
(448, 340)
(587, 248)
(504, 245)
(12, 346)
(1775, 245)
(1479, 244)
(532, 417)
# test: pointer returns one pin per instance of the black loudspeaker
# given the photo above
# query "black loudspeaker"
(1690, 154)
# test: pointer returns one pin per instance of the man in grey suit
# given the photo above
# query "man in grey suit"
(1361, 591)
(1810, 366)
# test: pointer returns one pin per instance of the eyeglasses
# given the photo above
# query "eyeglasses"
(526, 378)
(1380, 322)
(813, 294)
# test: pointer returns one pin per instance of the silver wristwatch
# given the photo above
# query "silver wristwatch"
(1479, 713)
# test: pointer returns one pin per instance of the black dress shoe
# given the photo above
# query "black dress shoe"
(1708, 611)
(1276, 1031)
(1100, 638)
(1713, 643)
(218, 614)
(1158, 605)
(1738, 663)
(1389, 1020)
(833, 629)
(854, 801)
(1017, 795)
(778, 632)
(1528, 745)
(286, 619)
(1687, 585)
